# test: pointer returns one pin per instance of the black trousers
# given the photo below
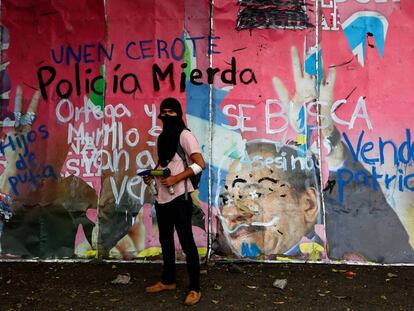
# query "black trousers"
(178, 214)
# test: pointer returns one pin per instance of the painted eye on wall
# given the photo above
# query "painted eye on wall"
(226, 199)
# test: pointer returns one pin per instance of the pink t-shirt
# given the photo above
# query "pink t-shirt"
(190, 145)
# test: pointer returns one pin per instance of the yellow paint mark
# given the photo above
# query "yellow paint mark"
(202, 251)
(150, 252)
(301, 139)
(91, 253)
(313, 249)
(156, 251)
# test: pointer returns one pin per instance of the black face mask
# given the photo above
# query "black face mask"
(169, 138)
(169, 122)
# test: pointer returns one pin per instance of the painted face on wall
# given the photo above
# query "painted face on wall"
(261, 211)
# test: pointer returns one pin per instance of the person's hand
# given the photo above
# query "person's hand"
(169, 181)
(23, 124)
(147, 179)
(305, 91)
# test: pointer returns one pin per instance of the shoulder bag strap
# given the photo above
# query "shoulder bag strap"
(181, 153)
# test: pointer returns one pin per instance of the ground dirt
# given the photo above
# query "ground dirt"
(87, 286)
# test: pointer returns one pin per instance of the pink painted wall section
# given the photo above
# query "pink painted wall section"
(302, 111)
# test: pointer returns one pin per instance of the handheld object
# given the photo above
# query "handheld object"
(160, 173)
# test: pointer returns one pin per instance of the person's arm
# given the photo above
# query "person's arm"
(197, 159)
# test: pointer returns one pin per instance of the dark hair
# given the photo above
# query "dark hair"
(173, 104)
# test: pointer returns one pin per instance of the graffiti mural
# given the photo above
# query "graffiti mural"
(301, 109)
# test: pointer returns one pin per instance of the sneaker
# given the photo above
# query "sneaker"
(159, 287)
(192, 298)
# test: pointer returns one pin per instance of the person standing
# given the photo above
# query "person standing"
(173, 203)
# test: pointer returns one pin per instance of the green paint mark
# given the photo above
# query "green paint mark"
(100, 85)
(233, 152)
(187, 59)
